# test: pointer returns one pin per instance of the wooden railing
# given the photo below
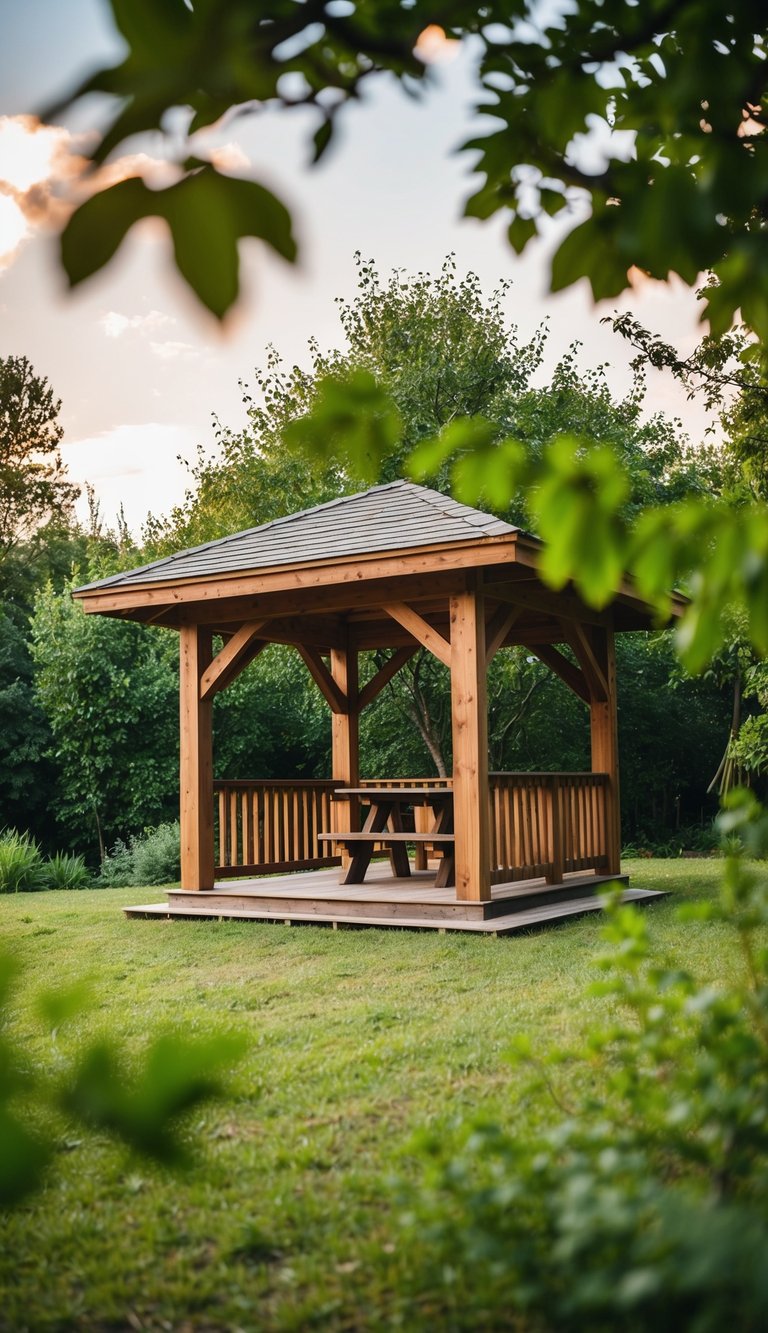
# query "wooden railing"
(271, 825)
(542, 824)
(546, 824)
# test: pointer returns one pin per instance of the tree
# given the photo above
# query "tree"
(33, 486)
(109, 691)
(673, 93)
(26, 775)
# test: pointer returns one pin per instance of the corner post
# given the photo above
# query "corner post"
(196, 755)
(605, 743)
(469, 711)
(345, 743)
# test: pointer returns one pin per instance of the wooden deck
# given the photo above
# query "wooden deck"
(317, 898)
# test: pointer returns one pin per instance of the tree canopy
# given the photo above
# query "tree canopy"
(671, 96)
(33, 485)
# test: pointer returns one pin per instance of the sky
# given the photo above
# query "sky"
(141, 370)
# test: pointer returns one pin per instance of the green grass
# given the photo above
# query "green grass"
(357, 1038)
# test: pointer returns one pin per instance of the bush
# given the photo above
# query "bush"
(21, 863)
(116, 870)
(151, 857)
(644, 1206)
(157, 855)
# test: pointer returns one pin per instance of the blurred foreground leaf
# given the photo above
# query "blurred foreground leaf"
(141, 1106)
(207, 214)
(353, 420)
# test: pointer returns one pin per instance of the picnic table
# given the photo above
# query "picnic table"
(384, 827)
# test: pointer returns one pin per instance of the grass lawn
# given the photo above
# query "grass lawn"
(357, 1038)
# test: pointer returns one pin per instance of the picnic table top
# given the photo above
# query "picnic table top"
(398, 793)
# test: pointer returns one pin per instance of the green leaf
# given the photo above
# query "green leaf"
(207, 214)
(588, 252)
(353, 420)
(98, 227)
(520, 232)
(576, 502)
(321, 139)
(59, 1006)
(23, 1159)
(143, 1111)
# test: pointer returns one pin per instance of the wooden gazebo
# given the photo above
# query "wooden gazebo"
(396, 567)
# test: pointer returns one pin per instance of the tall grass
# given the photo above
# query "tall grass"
(22, 868)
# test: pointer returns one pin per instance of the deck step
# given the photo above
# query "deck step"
(410, 899)
(512, 921)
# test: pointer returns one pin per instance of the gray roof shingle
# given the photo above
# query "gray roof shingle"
(395, 516)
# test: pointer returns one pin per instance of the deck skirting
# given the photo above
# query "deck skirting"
(414, 903)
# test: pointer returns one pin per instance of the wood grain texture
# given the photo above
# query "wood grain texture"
(580, 640)
(329, 687)
(498, 628)
(470, 746)
(241, 649)
(345, 740)
(605, 742)
(422, 631)
(384, 675)
(568, 673)
(196, 762)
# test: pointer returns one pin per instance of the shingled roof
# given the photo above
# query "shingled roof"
(396, 516)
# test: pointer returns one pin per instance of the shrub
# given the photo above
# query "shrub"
(21, 863)
(643, 1206)
(66, 871)
(116, 870)
(157, 855)
(151, 857)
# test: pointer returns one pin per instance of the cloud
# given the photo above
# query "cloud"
(167, 351)
(136, 466)
(115, 324)
(14, 229)
(44, 176)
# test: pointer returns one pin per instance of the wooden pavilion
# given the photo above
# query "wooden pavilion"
(397, 567)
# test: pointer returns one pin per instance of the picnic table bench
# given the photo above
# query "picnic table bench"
(384, 827)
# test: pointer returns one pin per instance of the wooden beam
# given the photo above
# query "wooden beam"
(579, 640)
(469, 713)
(348, 572)
(605, 745)
(345, 742)
(196, 762)
(241, 649)
(498, 628)
(421, 630)
(323, 678)
(384, 675)
(324, 632)
(563, 605)
(570, 674)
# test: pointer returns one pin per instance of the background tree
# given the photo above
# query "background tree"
(33, 485)
(684, 82)
(441, 349)
(109, 691)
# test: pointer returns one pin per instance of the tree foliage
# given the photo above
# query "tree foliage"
(109, 690)
(33, 485)
(670, 96)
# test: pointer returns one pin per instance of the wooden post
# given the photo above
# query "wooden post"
(345, 745)
(605, 742)
(469, 712)
(196, 750)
